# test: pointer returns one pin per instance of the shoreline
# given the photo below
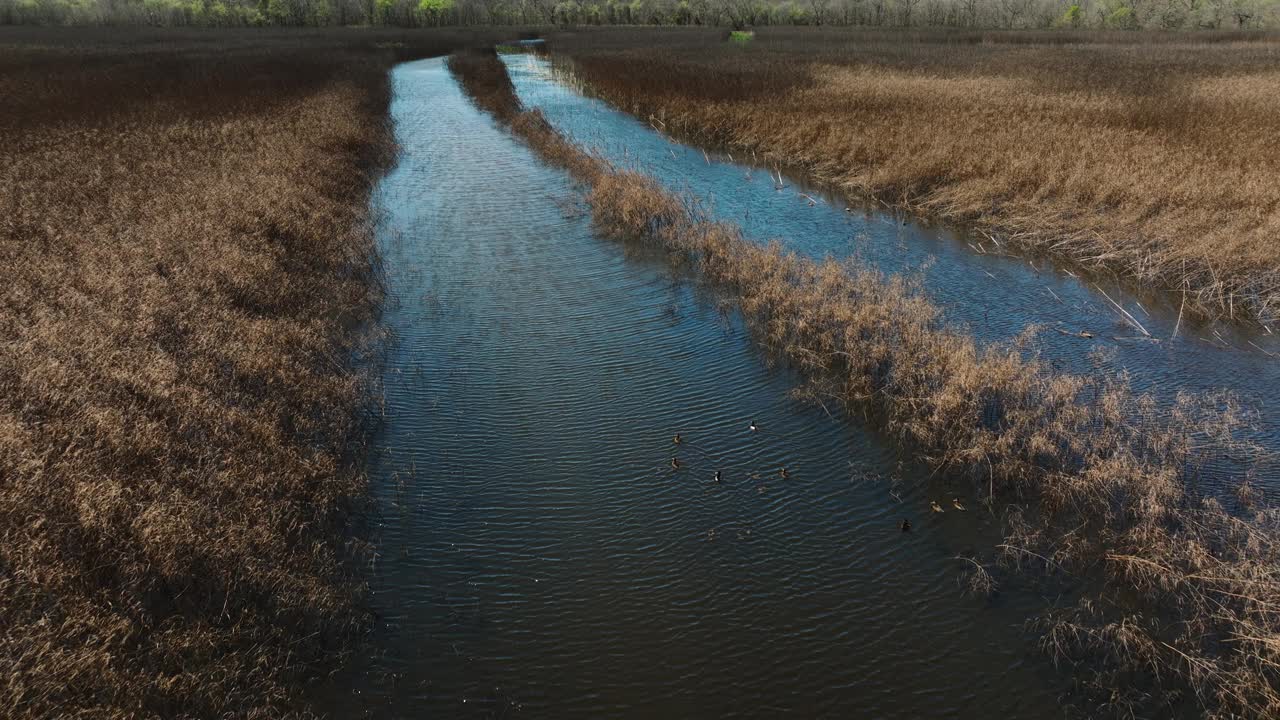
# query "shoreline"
(193, 284)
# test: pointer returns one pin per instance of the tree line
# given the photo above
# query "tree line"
(1013, 14)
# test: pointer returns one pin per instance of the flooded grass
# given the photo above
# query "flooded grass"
(1150, 157)
(189, 286)
(1096, 483)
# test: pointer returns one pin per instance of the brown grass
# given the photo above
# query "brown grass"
(189, 283)
(1184, 596)
(1149, 156)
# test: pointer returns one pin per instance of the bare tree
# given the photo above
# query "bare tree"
(850, 12)
(935, 13)
(541, 10)
(908, 9)
(741, 13)
(705, 12)
(878, 8)
(1011, 11)
(1242, 12)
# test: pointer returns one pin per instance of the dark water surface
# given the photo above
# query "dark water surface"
(538, 557)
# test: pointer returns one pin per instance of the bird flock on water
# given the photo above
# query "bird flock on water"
(718, 477)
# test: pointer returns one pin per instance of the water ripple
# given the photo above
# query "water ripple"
(537, 552)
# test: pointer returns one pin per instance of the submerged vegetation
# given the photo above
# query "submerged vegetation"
(1148, 156)
(1096, 483)
(189, 282)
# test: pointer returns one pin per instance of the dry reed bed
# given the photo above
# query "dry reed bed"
(1185, 595)
(1153, 158)
(189, 265)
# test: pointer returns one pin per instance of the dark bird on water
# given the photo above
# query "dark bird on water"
(753, 427)
(675, 463)
(717, 478)
(905, 525)
(955, 501)
(783, 473)
(933, 505)
(676, 439)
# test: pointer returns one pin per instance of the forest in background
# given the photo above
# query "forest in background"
(1008, 14)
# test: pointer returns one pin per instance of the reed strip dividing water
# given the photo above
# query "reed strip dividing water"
(1095, 482)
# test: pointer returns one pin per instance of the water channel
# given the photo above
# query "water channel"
(538, 554)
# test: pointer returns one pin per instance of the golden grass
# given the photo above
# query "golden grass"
(1152, 157)
(189, 282)
(1097, 482)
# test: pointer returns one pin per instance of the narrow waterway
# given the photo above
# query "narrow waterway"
(538, 555)
(980, 285)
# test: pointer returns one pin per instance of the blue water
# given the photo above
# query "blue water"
(982, 288)
(537, 554)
